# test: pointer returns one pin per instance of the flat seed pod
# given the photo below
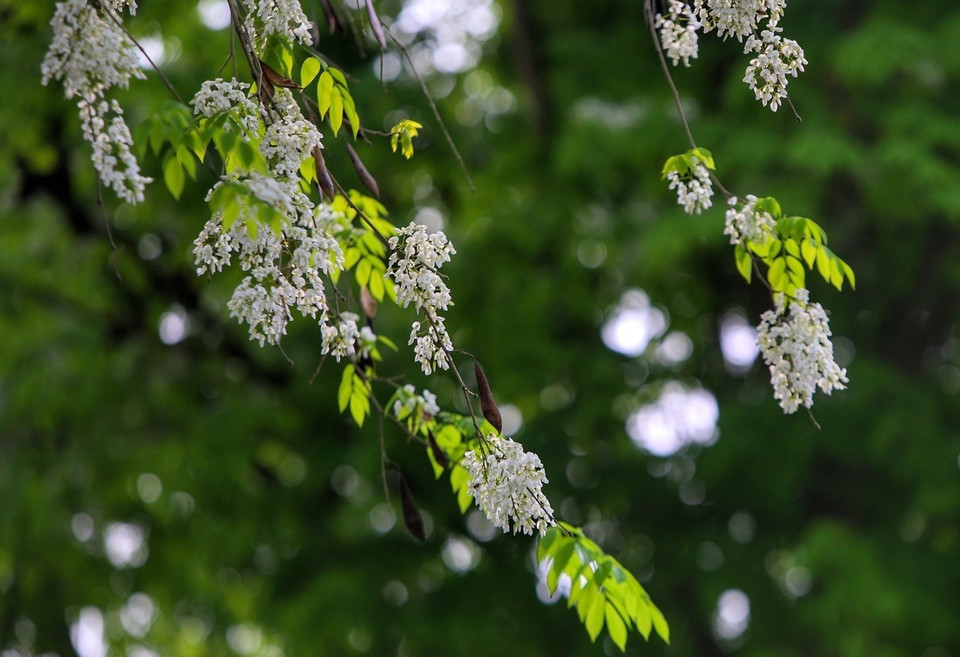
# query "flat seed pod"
(411, 515)
(487, 405)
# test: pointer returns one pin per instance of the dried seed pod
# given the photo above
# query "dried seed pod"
(376, 26)
(439, 455)
(333, 20)
(369, 305)
(411, 515)
(275, 78)
(324, 179)
(365, 176)
(487, 405)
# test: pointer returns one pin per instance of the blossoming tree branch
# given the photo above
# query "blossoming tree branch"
(310, 248)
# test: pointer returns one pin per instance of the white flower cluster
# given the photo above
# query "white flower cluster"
(408, 401)
(694, 190)
(287, 143)
(90, 54)
(286, 263)
(283, 17)
(755, 23)
(744, 223)
(678, 32)
(264, 299)
(507, 484)
(218, 97)
(738, 18)
(413, 264)
(340, 339)
(776, 59)
(795, 342)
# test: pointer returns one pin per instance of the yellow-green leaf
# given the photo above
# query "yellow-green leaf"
(616, 627)
(309, 70)
(324, 91)
(173, 176)
(336, 110)
(346, 387)
(594, 620)
(660, 624)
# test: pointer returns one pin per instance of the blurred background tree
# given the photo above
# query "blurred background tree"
(167, 487)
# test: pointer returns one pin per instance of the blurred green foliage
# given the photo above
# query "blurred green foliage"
(258, 502)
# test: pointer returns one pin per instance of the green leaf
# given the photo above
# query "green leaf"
(594, 620)
(560, 561)
(350, 110)
(823, 262)
(336, 110)
(173, 176)
(359, 405)
(836, 275)
(324, 92)
(744, 262)
(376, 287)
(309, 70)
(776, 275)
(363, 272)
(616, 627)
(660, 624)
(337, 75)
(848, 272)
(808, 249)
(346, 387)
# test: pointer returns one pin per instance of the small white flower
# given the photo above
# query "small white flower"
(744, 223)
(413, 264)
(776, 58)
(266, 18)
(340, 338)
(795, 342)
(507, 484)
(678, 32)
(91, 54)
(217, 97)
(287, 143)
(695, 189)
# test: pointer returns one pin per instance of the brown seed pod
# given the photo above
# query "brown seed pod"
(333, 20)
(487, 405)
(369, 305)
(376, 26)
(365, 177)
(275, 78)
(324, 179)
(411, 515)
(439, 455)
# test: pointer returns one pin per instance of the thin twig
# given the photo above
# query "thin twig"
(115, 253)
(433, 108)
(156, 68)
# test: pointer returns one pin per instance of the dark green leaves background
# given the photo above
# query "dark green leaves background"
(264, 517)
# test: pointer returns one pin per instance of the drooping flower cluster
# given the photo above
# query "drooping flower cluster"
(286, 261)
(754, 23)
(738, 18)
(91, 54)
(795, 342)
(776, 59)
(507, 484)
(678, 32)
(695, 189)
(744, 223)
(414, 262)
(266, 18)
(232, 98)
(341, 339)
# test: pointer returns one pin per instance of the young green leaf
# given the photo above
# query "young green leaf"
(309, 70)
